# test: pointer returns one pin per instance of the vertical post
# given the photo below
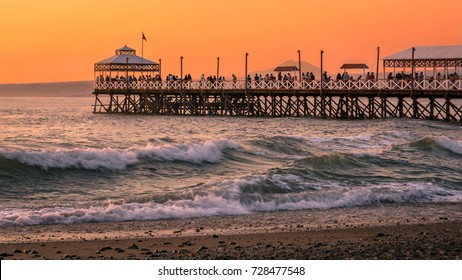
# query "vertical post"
(218, 67)
(245, 78)
(181, 72)
(412, 71)
(126, 75)
(142, 53)
(377, 66)
(183, 97)
(384, 73)
(400, 107)
(299, 67)
(160, 68)
(142, 46)
(181, 68)
(322, 52)
(448, 108)
(432, 107)
(323, 100)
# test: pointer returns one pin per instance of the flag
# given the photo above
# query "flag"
(144, 37)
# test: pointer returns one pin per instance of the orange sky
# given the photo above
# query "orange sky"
(53, 40)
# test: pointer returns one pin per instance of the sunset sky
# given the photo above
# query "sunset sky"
(53, 40)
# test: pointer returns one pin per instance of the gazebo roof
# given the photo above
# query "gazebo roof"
(428, 53)
(426, 56)
(286, 69)
(125, 48)
(121, 58)
(354, 66)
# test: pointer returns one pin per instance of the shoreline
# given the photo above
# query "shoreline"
(419, 231)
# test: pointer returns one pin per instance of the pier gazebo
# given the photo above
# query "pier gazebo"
(432, 57)
(124, 67)
(355, 66)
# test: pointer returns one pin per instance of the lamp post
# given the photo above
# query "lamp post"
(181, 68)
(126, 75)
(322, 52)
(218, 68)
(160, 68)
(181, 72)
(412, 70)
(377, 66)
(323, 100)
(299, 67)
(245, 78)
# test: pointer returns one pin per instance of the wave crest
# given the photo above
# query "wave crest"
(454, 146)
(210, 151)
(237, 197)
(444, 142)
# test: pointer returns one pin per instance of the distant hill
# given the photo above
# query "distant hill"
(306, 67)
(62, 89)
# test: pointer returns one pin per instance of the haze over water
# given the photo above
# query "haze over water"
(59, 163)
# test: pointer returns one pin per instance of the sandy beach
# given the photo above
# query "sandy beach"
(423, 231)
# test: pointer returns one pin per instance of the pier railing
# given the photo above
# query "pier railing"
(428, 85)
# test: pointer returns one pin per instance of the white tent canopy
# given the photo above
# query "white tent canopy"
(427, 57)
(429, 52)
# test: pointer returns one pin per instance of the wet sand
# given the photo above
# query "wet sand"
(422, 231)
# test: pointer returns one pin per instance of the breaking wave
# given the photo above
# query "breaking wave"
(112, 159)
(454, 146)
(446, 143)
(239, 196)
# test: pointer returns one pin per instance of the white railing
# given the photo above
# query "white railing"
(282, 85)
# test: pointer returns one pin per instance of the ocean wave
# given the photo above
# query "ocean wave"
(210, 151)
(444, 142)
(299, 146)
(452, 145)
(237, 197)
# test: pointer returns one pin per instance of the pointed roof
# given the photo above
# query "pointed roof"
(286, 69)
(125, 48)
(121, 58)
(354, 66)
(428, 53)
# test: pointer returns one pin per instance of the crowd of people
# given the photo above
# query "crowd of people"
(420, 77)
(263, 81)
(131, 78)
(308, 76)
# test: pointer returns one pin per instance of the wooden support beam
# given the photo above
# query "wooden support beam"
(282, 103)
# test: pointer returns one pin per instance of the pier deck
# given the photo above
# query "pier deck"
(425, 99)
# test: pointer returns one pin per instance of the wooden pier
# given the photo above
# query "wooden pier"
(128, 84)
(434, 100)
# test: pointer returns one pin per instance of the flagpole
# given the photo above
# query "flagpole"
(142, 52)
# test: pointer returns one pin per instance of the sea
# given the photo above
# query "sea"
(62, 164)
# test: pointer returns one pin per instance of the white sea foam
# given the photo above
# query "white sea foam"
(229, 198)
(452, 145)
(212, 202)
(324, 195)
(209, 151)
(107, 158)
(76, 158)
